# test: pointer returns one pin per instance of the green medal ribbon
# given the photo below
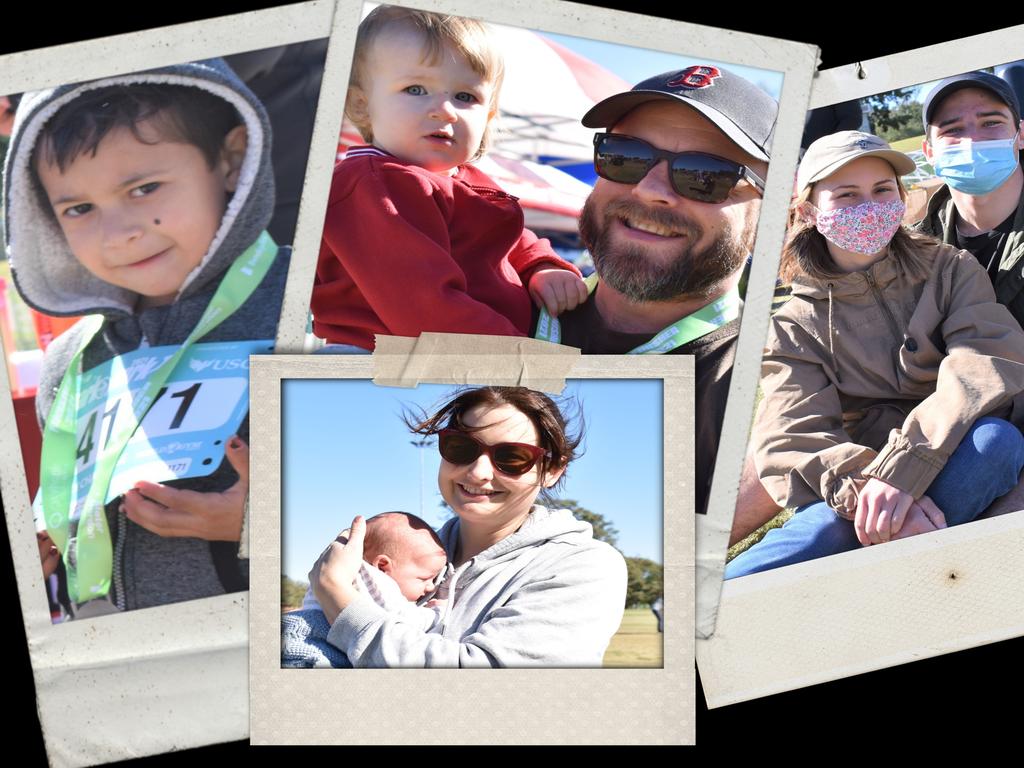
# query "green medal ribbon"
(84, 539)
(722, 310)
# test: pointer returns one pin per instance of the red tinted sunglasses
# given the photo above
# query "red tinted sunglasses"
(695, 175)
(462, 448)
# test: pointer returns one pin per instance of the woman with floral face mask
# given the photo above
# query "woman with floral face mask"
(888, 377)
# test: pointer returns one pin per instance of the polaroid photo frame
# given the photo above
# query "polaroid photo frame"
(881, 606)
(508, 706)
(795, 61)
(171, 677)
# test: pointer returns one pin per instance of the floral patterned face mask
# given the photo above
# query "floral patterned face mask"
(866, 228)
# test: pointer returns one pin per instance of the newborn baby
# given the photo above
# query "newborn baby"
(403, 563)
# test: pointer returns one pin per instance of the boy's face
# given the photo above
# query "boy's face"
(430, 115)
(142, 214)
(418, 565)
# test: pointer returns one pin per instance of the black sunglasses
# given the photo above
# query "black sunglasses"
(695, 175)
(508, 458)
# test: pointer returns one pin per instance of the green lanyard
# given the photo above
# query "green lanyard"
(722, 310)
(85, 541)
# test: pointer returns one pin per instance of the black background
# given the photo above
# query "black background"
(968, 695)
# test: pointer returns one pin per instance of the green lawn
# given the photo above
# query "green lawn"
(637, 643)
(744, 544)
(913, 144)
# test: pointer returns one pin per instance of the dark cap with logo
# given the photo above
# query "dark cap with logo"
(740, 109)
(987, 82)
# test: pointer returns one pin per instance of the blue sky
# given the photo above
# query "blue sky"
(345, 451)
(636, 64)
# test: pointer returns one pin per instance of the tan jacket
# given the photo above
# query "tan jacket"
(878, 374)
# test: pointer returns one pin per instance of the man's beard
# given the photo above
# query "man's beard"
(641, 277)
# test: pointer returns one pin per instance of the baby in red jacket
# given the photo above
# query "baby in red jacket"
(415, 238)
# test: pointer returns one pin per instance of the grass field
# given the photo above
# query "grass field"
(913, 144)
(637, 643)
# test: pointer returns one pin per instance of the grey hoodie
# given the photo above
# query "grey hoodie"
(148, 569)
(549, 595)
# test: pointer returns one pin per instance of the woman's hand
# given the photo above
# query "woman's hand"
(335, 570)
(881, 512)
(924, 516)
(176, 512)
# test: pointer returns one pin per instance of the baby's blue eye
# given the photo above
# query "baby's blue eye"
(77, 210)
(469, 98)
(145, 189)
(416, 90)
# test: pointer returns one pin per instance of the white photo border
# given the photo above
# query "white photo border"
(880, 606)
(510, 706)
(796, 61)
(172, 677)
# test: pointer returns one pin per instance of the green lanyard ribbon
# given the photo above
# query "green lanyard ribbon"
(722, 310)
(84, 539)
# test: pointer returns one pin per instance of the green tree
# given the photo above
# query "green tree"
(895, 115)
(644, 581)
(292, 592)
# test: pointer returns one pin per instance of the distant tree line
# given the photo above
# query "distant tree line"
(895, 115)
(292, 593)
(644, 577)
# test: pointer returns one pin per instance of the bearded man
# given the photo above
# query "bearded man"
(670, 225)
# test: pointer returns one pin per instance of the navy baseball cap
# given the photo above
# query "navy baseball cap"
(740, 109)
(987, 82)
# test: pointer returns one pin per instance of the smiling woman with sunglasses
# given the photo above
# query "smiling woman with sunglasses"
(526, 585)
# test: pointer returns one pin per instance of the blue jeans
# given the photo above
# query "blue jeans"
(987, 462)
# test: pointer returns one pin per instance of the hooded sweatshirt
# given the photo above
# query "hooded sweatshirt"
(148, 569)
(548, 595)
(877, 373)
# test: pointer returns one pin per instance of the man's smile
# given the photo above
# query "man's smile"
(648, 227)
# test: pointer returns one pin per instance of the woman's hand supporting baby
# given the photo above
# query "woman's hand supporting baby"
(884, 510)
(557, 290)
(335, 571)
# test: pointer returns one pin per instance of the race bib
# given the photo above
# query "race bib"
(200, 406)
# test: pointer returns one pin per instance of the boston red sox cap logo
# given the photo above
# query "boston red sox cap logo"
(697, 76)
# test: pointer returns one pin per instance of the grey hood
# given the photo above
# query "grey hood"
(47, 274)
(540, 527)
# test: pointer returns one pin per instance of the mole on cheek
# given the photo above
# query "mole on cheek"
(157, 222)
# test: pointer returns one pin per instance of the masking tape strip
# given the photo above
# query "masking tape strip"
(472, 359)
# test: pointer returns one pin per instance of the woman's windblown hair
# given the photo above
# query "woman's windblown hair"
(555, 436)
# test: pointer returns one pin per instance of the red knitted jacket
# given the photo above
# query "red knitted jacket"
(405, 250)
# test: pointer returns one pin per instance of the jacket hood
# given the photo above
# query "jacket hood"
(47, 274)
(541, 526)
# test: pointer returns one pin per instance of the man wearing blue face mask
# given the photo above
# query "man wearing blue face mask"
(973, 140)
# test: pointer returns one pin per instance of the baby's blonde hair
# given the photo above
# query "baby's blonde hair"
(469, 38)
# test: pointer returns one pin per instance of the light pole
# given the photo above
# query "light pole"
(425, 442)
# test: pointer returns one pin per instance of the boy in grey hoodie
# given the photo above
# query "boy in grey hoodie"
(141, 200)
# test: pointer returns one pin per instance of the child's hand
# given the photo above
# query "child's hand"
(211, 516)
(49, 555)
(557, 290)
